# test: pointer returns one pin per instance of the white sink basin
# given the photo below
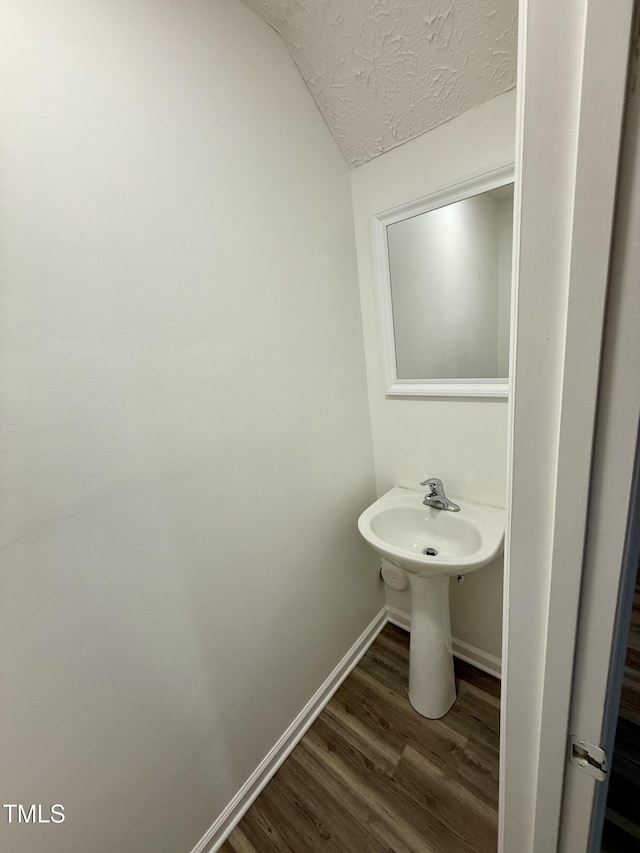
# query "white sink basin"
(401, 528)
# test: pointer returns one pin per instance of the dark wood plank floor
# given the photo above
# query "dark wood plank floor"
(622, 823)
(371, 774)
(630, 700)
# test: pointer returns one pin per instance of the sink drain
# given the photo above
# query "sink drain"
(430, 552)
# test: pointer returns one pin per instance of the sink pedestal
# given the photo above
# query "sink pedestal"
(432, 686)
(431, 545)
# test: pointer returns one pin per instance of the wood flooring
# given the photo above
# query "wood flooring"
(630, 700)
(371, 774)
(622, 824)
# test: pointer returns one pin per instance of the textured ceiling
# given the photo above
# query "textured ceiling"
(384, 71)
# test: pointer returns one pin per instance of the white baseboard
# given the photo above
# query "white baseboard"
(216, 835)
(478, 658)
(399, 618)
(464, 651)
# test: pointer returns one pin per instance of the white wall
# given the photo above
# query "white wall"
(462, 441)
(185, 430)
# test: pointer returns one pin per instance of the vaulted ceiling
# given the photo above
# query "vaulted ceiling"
(384, 71)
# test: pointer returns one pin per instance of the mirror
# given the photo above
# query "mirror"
(445, 278)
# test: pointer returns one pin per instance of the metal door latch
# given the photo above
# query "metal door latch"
(589, 758)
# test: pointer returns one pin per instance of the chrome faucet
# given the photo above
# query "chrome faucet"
(436, 497)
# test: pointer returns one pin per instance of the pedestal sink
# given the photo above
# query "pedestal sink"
(431, 545)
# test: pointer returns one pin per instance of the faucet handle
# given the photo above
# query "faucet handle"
(434, 483)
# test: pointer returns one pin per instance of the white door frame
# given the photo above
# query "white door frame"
(613, 541)
(571, 85)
